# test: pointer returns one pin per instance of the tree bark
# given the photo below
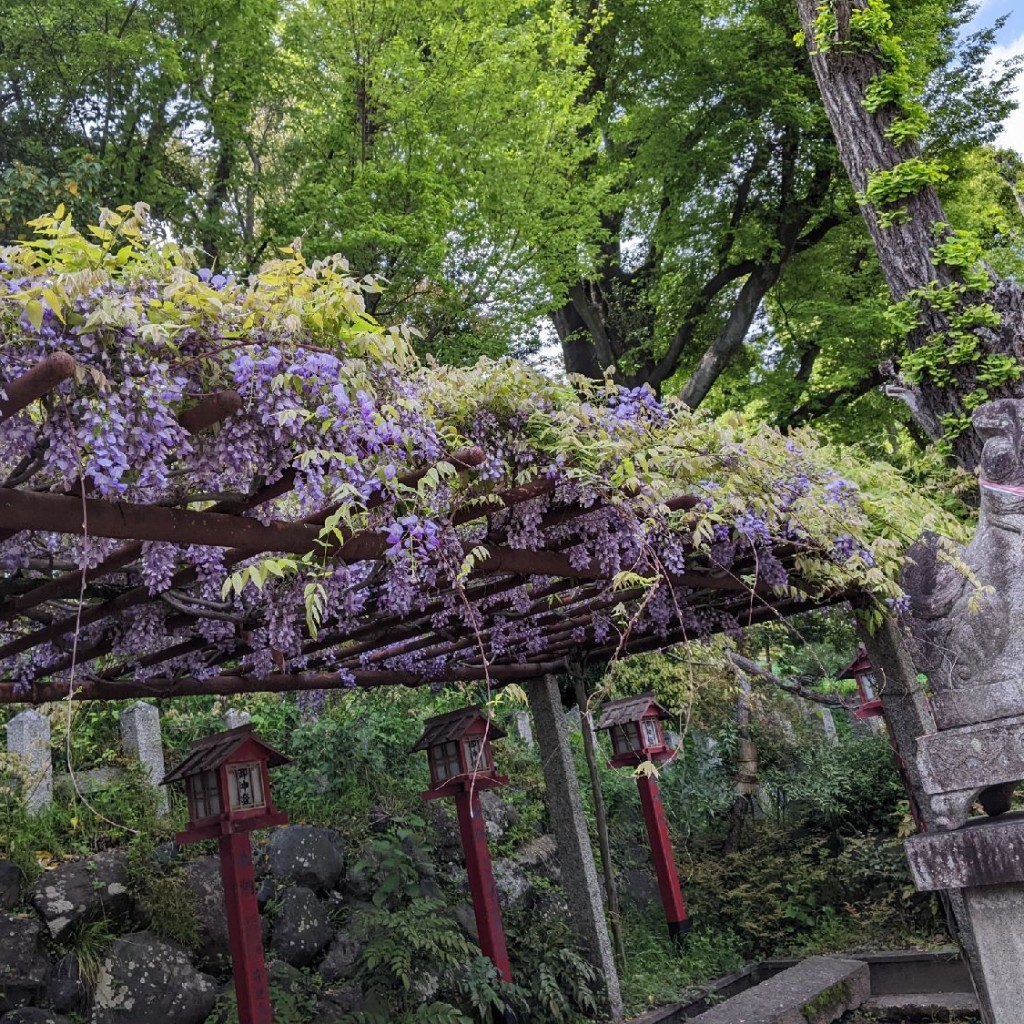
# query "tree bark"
(843, 73)
(732, 335)
(746, 768)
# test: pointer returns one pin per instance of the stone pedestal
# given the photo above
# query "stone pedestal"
(28, 736)
(575, 854)
(985, 861)
(140, 734)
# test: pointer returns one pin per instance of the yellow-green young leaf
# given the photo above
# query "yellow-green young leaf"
(646, 768)
(34, 312)
(54, 303)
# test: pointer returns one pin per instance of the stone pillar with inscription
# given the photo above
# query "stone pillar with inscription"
(966, 636)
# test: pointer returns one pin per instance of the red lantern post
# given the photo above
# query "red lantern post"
(458, 748)
(637, 737)
(227, 783)
(863, 673)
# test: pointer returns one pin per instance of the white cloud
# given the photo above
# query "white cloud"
(1013, 130)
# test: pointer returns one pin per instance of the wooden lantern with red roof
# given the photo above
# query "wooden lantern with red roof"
(637, 737)
(458, 747)
(227, 783)
(635, 727)
(863, 673)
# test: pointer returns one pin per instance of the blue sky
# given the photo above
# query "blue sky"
(1009, 43)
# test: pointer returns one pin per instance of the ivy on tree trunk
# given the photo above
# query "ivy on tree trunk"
(964, 328)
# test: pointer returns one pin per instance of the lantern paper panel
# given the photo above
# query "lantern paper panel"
(245, 786)
(626, 738)
(478, 754)
(203, 795)
(444, 761)
(652, 732)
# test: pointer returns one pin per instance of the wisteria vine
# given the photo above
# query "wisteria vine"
(342, 404)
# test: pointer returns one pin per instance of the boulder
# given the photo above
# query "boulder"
(340, 960)
(443, 826)
(302, 926)
(335, 1007)
(66, 991)
(33, 1015)
(202, 876)
(541, 855)
(144, 979)
(499, 815)
(306, 855)
(10, 885)
(522, 879)
(83, 890)
(24, 967)
(514, 888)
(465, 918)
(638, 888)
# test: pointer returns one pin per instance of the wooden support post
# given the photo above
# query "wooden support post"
(481, 881)
(664, 858)
(245, 934)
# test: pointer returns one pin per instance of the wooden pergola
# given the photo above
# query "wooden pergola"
(564, 606)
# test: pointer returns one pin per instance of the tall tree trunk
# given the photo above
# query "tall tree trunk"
(844, 68)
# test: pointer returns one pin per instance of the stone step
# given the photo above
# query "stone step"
(817, 991)
(925, 1006)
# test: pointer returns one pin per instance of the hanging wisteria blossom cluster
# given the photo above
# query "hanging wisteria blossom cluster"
(580, 518)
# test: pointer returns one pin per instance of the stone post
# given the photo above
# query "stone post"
(575, 854)
(828, 723)
(522, 727)
(233, 718)
(28, 736)
(140, 734)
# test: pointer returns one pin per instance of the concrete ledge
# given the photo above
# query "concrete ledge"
(818, 991)
(927, 1006)
(990, 852)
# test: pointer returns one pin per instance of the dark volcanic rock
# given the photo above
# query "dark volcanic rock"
(307, 855)
(202, 876)
(33, 1015)
(10, 885)
(340, 961)
(144, 979)
(335, 1006)
(302, 927)
(66, 991)
(83, 890)
(24, 967)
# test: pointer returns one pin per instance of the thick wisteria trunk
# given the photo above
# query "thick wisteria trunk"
(746, 779)
(904, 250)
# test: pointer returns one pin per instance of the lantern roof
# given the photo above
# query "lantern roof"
(630, 709)
(454, 725)
(211, 752)
(860, 665)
